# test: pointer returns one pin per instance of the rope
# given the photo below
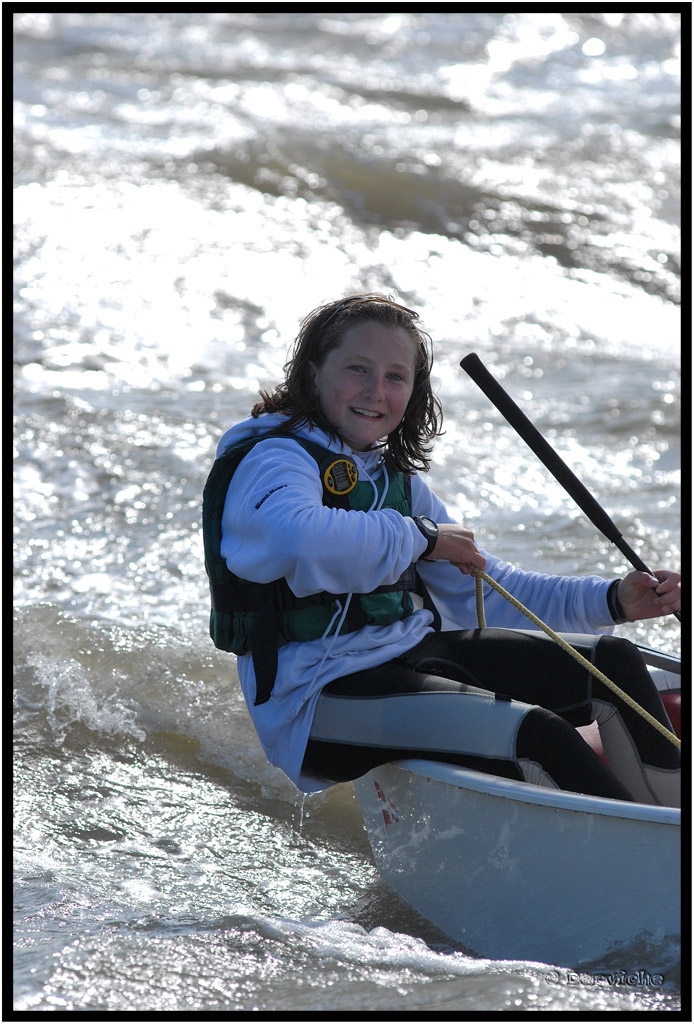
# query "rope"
(480, 575)
(479, 601)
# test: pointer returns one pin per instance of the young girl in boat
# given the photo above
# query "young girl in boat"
(347, 591)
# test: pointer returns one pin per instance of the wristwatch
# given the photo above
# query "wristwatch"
(428, 528)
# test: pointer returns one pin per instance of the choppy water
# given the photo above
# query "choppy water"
(187, 186)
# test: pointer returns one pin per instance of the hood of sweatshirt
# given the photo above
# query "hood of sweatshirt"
(256, 426)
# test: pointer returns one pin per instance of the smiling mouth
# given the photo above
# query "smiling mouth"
(367, 413)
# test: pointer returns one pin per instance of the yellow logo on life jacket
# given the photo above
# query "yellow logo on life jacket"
(341, 476)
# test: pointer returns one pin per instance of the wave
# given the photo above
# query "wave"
(80, 683)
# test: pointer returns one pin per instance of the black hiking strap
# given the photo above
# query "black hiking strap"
(428, 602)
(264, 641)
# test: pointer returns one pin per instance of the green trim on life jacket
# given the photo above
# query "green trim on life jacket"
(261, 617)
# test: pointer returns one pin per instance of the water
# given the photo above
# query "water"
(187, 187)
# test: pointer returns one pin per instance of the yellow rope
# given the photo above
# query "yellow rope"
(480, 575)
(479, 601)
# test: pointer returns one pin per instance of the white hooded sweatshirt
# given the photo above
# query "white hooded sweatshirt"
(275, 524)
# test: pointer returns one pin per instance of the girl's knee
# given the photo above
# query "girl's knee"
(618, 651)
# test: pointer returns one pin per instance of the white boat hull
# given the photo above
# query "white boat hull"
(516, 871)
(512, 870)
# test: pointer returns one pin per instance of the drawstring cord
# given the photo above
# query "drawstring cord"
(480, 575)
(341, 610)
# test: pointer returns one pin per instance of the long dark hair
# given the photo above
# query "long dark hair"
(322, 331)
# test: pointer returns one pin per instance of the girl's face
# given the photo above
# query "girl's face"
(364, 385)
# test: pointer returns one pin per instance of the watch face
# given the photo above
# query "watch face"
(430, 531)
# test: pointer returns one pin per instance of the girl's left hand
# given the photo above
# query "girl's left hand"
(646, 597)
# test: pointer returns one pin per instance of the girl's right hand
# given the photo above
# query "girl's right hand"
(457, 546)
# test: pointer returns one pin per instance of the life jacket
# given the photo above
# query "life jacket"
(259, 618)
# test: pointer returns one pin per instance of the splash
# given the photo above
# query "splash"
(70, 700)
